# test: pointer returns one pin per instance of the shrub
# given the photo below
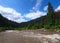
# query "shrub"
(46, 26)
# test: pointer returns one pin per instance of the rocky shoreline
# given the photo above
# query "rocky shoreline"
(30, 36)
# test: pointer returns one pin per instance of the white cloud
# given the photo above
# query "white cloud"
(45, 8)
(11, 14)
(34, 15)
(38, 3)
(58, 8)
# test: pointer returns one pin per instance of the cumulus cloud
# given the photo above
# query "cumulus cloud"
(34, 15)
(45, 8)
(11, 14)
(58, 8)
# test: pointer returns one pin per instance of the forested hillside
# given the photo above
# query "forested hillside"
(50, 21)
(6, 24)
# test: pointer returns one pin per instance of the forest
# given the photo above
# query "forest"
(50, 21)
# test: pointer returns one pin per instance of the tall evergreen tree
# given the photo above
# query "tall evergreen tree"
(51, 13)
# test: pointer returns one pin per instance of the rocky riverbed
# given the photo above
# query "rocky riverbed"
(14, 36)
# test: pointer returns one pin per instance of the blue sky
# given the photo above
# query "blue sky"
(25, 10)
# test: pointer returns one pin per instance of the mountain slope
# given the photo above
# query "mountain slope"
(41, 22)
(52, 19)
(4, 22)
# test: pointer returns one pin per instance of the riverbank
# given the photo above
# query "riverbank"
(30, 36)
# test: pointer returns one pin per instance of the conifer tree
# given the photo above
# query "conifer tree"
(51, 13)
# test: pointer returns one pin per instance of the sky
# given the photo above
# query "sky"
(26, 10)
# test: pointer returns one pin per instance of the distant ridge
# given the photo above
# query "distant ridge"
(4, 22)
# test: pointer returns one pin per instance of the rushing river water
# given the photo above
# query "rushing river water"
(27, 37)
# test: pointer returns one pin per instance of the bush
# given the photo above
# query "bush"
(46, 26)
(6, 28)
(58, 26)
(2, 29)
(53, 27)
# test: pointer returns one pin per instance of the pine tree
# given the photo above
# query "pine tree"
(51, 13)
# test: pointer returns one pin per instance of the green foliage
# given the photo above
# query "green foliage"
(49, 21)
(58, 26)
(4, 22)
(6, 28)
(46, 26)
(51, 13)
(18, 28)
